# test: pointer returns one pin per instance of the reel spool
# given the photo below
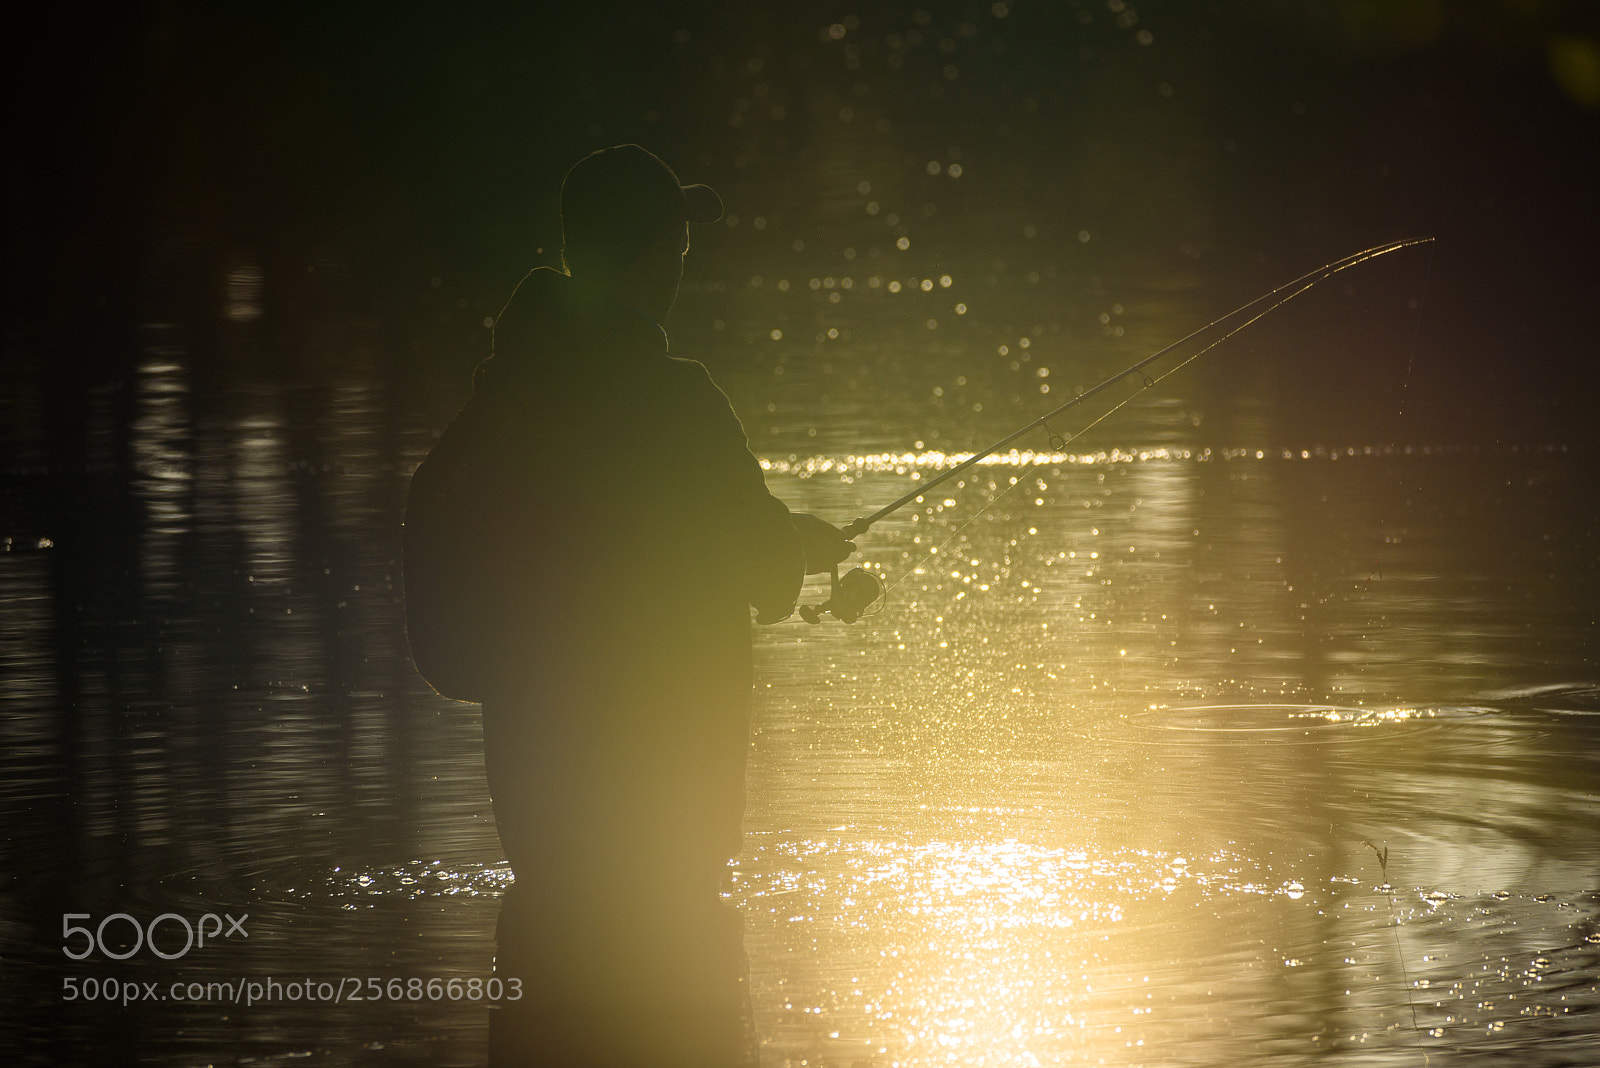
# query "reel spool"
(848, 598)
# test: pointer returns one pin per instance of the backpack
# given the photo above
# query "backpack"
(449, 577)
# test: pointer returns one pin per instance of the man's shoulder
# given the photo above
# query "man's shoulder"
(699, 403)
(689, 370)
(688, 374)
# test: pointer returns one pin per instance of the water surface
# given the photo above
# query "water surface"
(1156, 753)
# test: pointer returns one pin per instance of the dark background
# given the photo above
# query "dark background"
(157, 144)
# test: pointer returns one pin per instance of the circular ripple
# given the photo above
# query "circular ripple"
(1252, 719)
(1292, 724)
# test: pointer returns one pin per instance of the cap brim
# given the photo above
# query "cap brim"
(703, 204)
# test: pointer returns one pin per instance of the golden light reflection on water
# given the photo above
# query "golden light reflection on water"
(883, 952)
(1007, 952)
(1096, 784)
(983, 947)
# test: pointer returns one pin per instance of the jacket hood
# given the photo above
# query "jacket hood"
(552, 326)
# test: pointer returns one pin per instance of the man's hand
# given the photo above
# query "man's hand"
(824, 544)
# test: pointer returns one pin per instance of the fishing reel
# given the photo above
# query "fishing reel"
(848, 597)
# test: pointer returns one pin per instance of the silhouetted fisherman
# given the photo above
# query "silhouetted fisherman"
(583, 548)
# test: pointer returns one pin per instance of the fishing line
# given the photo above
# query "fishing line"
(954, 534)
(1394, 927)
(1283, 294)
(1416, 335)
(1260, 306)
(1399, 414)
(1059, 443)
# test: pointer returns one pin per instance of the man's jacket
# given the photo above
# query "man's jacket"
(592, 526)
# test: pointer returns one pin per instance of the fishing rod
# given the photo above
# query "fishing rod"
(859, 589)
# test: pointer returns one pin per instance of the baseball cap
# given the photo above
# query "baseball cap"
(626, 197)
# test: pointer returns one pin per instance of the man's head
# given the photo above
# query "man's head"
(624, 225)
